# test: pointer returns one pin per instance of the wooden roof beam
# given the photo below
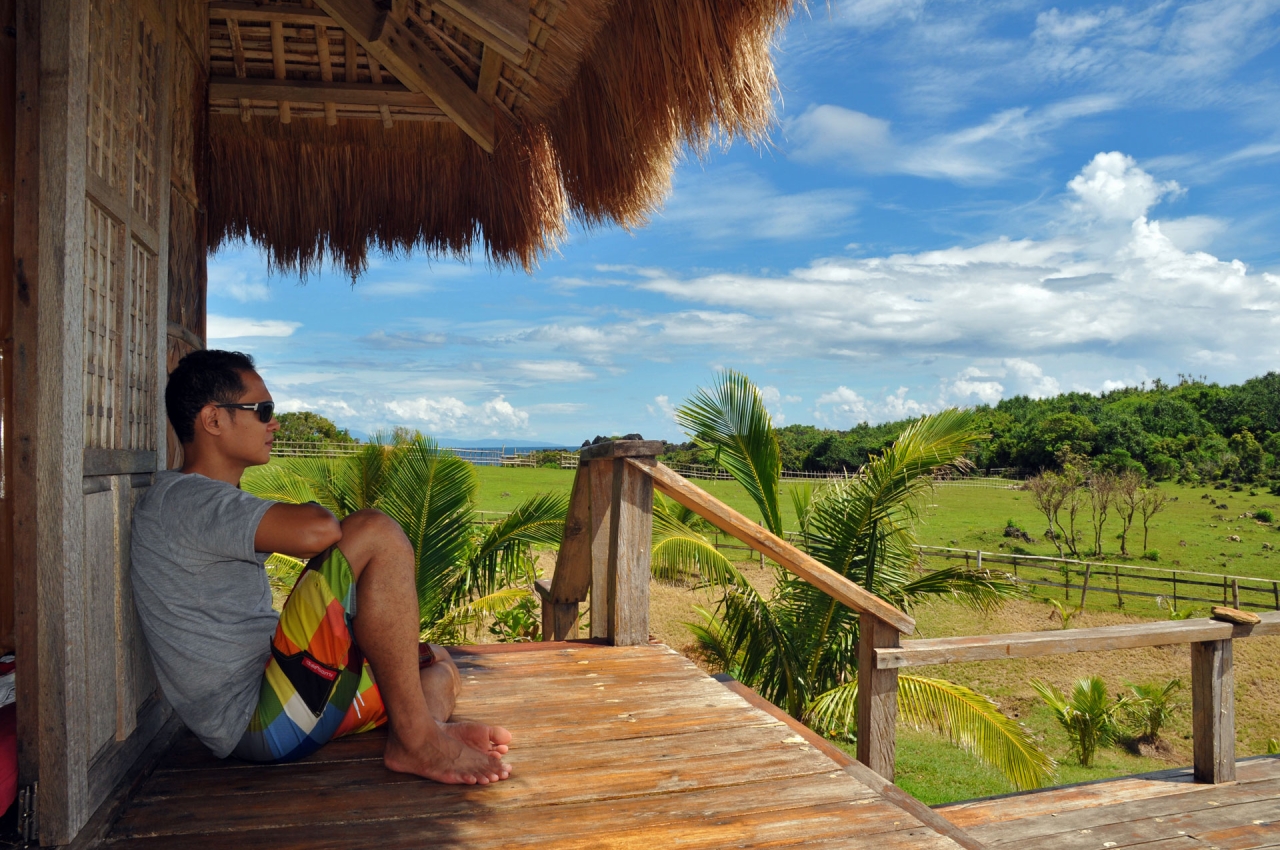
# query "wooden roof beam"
(415, 65)
(501, 24)
(312, 91)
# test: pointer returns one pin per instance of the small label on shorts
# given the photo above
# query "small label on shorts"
(319, 669)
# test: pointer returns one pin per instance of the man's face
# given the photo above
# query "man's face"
(245, 437)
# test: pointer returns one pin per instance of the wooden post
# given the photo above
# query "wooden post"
(1084, 588)
(621, 538)
(1235, 593)
(877, 697)
(1175, 590)
(1120, 596)
(1224, 590)
(1275, 591)
(1213, 714)
(559, 619)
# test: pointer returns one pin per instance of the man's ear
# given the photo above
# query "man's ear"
(212, 420)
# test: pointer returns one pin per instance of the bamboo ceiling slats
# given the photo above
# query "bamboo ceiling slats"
(291, 42)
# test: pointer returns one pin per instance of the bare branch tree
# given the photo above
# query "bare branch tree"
(1102, 492)
(1153, 502)
(1128, 488)
(1048, 494)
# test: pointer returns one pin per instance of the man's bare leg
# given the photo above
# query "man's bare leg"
(441, 684)
(386, 626)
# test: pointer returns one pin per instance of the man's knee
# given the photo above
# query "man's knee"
(369, 532)
(373, 525)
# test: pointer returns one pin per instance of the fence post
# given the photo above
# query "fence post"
(1084, 589)
(877, 697)
(1213, 713)
(1175, 590)
(572, 580)
(621, 539)
(1235, 593)
(1224, 590)
(1120, 596)
(1275, 591)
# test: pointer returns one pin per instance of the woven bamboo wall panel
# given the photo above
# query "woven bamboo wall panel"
(188, 99)
(109, 92)
(146, 148)
(140, 422)
(104, 295)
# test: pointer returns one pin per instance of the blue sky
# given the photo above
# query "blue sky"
(961, 201)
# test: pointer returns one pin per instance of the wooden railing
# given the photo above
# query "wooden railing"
(1212, 680)
(605, 554)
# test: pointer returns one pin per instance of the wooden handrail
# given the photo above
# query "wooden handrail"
(672, 484)
(919, 653)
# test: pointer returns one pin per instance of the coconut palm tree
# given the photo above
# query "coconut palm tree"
(1088, 716)
(466, 572)
(796, 645)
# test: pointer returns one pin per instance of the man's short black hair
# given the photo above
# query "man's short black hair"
(200, 378)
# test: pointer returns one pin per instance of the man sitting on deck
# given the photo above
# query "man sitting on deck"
(199, 547)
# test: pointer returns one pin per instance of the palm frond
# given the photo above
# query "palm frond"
(712, 640)
(537, 521)
(281, 482)
(981, 589)
(967, 718)
(452, 627)
(731, 419)
(681, 550)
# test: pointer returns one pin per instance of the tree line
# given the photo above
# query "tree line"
(1193, 431)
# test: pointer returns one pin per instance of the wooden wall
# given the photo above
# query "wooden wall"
(119, 144)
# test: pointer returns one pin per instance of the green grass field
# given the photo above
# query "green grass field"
(974, 518)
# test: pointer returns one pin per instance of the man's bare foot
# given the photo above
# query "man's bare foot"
(458, 754)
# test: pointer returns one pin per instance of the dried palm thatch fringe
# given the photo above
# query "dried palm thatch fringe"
(626, 84)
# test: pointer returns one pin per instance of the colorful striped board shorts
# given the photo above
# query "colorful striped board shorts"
(317, 685)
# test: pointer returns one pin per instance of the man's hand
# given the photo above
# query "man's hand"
(300, 531)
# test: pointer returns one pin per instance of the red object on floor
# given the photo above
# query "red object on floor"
(8, 755)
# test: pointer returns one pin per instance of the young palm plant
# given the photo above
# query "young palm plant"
(466, 573)
(797, 646)
(1089, 716)
(1151, 708)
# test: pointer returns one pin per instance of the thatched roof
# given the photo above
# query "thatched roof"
(585, 118)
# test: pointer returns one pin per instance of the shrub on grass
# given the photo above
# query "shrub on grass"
(1151, 707)
(1151, 555)
(1264, 515)
(1088, 716)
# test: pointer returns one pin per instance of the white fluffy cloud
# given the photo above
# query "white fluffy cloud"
(447, 416)
(552, 370)
(229, 327)
(229, 281)
(1113, 187)
(844, 408)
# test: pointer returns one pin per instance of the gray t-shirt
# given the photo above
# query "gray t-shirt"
(204, 600)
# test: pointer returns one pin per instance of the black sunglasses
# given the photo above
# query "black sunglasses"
(264, 409)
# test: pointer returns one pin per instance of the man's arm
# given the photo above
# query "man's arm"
(300, 531)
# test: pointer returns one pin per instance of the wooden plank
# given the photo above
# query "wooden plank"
(917, 653)
(118, 461)
(698, 816)
(326, 72)
(629, 572)
(278, 66)
(100, 555)
(504, 21)
(248, 11)
(762, 540)
(25, 421)
(237, 56)
(572, 579)
(490, 73)
(600, 491)
(375, 76)
(8, 138)
(415, 65)
(1213, 717)
(58, 442)
(316, 91)
(877, 698)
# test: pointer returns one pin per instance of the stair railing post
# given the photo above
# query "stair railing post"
(621, 533)
(877, 697)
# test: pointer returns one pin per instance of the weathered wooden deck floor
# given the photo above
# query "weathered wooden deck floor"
(1154, 811)
(615, 747)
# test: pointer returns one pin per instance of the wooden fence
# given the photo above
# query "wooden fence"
(1175, 588)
